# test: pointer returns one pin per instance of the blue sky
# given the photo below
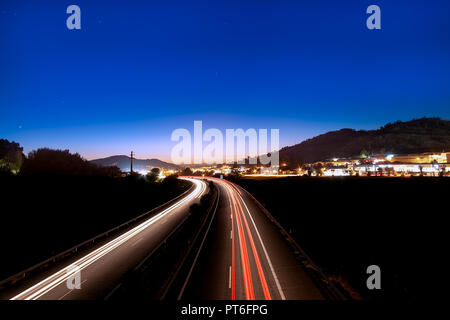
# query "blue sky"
(137, 70)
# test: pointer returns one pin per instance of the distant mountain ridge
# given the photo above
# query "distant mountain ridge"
(415, 136)
(123, 163)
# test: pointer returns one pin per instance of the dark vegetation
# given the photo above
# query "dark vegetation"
(347, 224)
(415, 136)
(189, 172)
(46, 162)
(11, 157)
(58, 200)
(162, 275)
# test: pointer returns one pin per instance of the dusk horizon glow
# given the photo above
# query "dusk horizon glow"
(137, 71)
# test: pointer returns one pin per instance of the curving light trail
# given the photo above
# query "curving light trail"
(46, 285)
(246, 239)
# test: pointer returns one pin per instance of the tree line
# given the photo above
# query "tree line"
(45, 161)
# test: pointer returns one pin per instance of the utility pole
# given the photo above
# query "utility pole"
(131, 167)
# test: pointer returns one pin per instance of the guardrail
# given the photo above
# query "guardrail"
(23, 274)
(215, 201)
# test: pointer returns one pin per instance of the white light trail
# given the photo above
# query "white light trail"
(59, 277)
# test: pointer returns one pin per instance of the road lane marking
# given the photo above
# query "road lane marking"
(233, 258)
(200, 249)
(229, 278)
(249, 290)
(277, 282)
(137, 241)
(262, 278)
(233, 276)
(62, 297)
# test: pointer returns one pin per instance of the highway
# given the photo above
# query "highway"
(101, 270)
(245, 257)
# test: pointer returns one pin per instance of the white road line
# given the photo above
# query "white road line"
(137, 241)
(62, 297)
(231, 234)
(283, 297)
(200, 249)
(229, 278)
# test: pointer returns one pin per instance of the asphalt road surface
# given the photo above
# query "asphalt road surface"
(245, 256)
(100, 270)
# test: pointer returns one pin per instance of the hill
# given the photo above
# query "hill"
(123, 163)
(415, 136)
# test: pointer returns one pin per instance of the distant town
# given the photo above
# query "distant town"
(425, 164)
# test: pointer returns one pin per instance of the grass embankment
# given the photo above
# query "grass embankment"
(348, 223)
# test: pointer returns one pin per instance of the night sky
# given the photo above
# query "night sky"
(137, 70)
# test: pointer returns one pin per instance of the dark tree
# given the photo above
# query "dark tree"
(186, 172)
(155, 171)
(11, 156)
(318, 169)
(153, 174)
